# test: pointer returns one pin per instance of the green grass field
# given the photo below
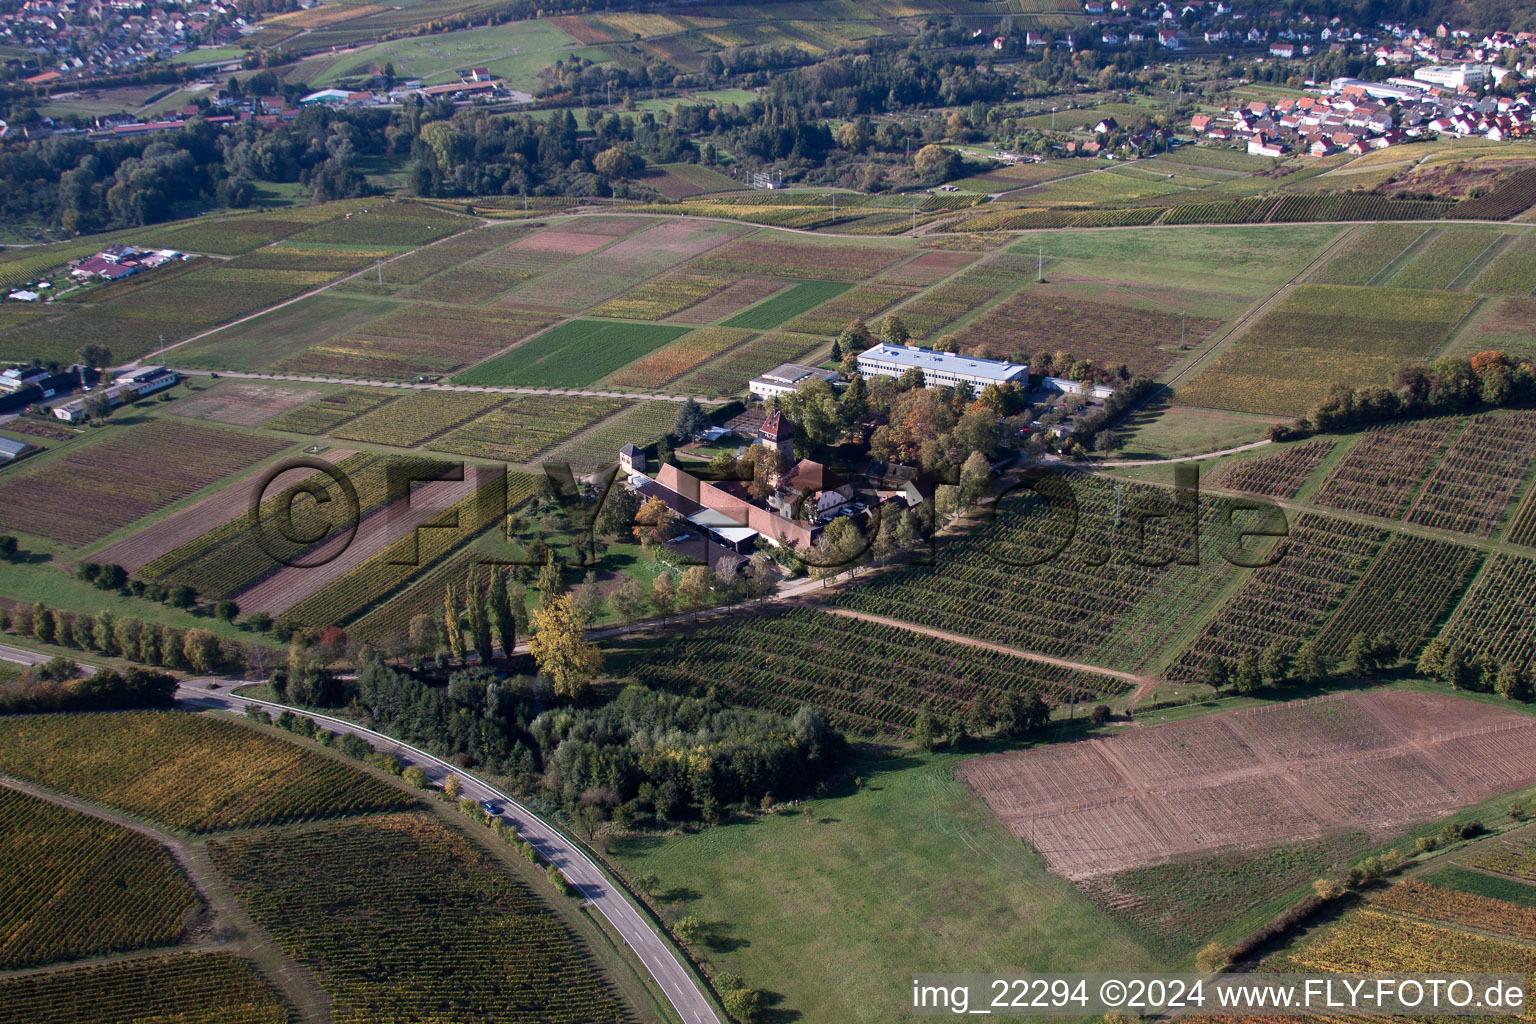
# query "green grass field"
(787, 305)
(833, 912)
(516, 51)
(573, 354)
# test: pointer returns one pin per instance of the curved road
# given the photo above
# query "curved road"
(590, 880)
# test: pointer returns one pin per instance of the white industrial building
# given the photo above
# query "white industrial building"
(1453, 76)
(940, 369)
(785, 378)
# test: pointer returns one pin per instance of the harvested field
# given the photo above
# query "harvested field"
(242, 403)
(1145, 340)
(190, 523)
(92, 491)
(802, 260)
(1250, 778)
(662, 297)
(731, 299)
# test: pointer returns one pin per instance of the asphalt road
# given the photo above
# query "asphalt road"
(578, 868)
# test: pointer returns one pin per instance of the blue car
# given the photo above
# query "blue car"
(490, 808)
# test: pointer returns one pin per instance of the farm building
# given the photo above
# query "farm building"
(17, 378)
(632, 459)
(940, 369)
(786, 378)
(144, 382)
(11, 450)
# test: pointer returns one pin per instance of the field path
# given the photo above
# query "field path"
(495, 389)
(939, 634)
(654, 952)
(297, 986)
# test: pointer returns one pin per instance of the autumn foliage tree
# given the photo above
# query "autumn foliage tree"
(561, 649)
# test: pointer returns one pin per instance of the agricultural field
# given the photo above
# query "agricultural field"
(1284, 603)
(430, 260)
(417, 339)
(79, 886)
(1509, 326)
(1494, 618)
(242, 403)
(331, 410)
(1145, 340)
(1370, 253)
(798, 259)
(1144, 796)
(868, 677)
(263, 340)
(786, 305)
(928, 268)
(191, 772)
(406, 898)
(675, 358)
(935, 311)
(89, 492)
(1409, 590)
(622, 265)
(598, 447)
(189, 988)
(1374, 942)
(226, 557)
(732, 299)
(662, 297)
(1280, 475)
(1469, 489)
(858, 303)
(683, 181)
(416, 417)
(1380, 472)
(1515, 857)
(729, 376)
(1317, 336)
(523, 426)
(1512, 271)
(1450, 259)
(1522, 525)
(573, 354)
(1008, 581)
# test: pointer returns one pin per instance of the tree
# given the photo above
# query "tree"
(688, 929)
(1214, 957)
(258, 622)
(452, 787)
(934, 163)
(588, 597)
(663, 595)
(8, 548)
(691, 421)
(613, 163)
(1246, 677)
(923, 730)
(628, 599)
(551, 582)
(44, 625)
(1360, 655)
(617, 514)
(97, 357)
(422, 636)
(453, 632)
(1275, 664)
(561, 649)
(97, 406)
(1511, 684)
(183, 596)
(975, 479)
(227, 611)
(201, 649)
(499, 606)
(479, 636)
(1215, 674)
(1432, 660)
(694, 589)
(893, 330)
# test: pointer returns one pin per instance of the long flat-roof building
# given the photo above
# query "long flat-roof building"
(940, 369)
(785, 378)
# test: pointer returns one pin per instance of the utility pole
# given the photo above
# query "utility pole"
(914, 222)
(1183, 329)
(1041, 272)
(1053, 119)
(380, 268)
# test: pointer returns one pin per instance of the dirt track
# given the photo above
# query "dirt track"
(1284, 772)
